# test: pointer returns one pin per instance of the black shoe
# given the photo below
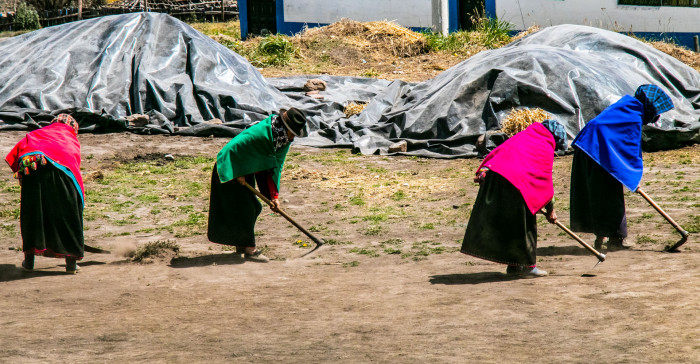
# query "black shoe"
(72, 266)
(28, 266)
(514, 269)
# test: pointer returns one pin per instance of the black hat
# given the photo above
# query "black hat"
(295, 121)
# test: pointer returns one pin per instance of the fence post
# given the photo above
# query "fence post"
(697, 45)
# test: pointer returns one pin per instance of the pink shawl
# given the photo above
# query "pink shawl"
(526, 160)
(57, 142)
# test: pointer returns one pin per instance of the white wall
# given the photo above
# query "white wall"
(604, 14)
(409, 13)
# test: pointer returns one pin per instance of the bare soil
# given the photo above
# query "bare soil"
(392, 287)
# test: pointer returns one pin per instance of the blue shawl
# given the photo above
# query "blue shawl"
(614, 140)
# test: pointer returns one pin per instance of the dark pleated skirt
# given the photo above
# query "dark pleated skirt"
(51, 214)
(501, 228)
(597, 199)
(233, 210)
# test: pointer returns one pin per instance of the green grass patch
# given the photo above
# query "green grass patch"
(373, 230)
(357, 200)
(644, 239)
(367, 252)
(375, 218)
(336, 242)
(398, 195)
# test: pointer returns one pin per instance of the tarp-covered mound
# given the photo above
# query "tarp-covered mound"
(105, 69)
(572, 72)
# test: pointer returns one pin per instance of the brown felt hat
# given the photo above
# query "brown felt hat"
(294, 121)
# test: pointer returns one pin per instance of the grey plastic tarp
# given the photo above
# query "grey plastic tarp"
(105, 69)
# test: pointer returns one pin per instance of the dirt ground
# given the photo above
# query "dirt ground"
(390, 287)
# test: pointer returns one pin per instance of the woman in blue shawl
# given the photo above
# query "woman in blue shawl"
(608, 155)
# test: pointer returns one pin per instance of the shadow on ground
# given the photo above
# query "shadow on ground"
(473, 278)
(204, 260)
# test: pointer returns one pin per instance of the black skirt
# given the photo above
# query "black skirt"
(597, 199)
(233, 210)
(51, 214)
(501, 228)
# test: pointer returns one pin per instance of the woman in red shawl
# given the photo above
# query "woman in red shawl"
(516, 183)
(47, 164)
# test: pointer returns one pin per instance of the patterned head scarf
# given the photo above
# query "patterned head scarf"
(558, 132)
(655, 102)
(279, 133)
(68, 120)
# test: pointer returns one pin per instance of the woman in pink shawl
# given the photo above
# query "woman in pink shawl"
(47, 164)
(516, 183)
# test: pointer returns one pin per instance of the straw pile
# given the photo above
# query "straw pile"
(354, 108)
(682, 54)
(524, 33)
(377, 35)
(518, 120)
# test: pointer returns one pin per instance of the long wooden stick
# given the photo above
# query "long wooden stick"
(684, 234)
(599, 255)
(316, 240)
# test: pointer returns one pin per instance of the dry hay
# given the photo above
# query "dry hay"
(682, 54)
(377, 35)
(354, 108)
(156, 250)
(518, 120)
(523, 34)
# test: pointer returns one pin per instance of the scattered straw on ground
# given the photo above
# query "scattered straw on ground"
(354, 109)
(518, 120)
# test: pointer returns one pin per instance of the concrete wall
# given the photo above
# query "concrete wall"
(409, 13)
(294, 15)
(604, 14)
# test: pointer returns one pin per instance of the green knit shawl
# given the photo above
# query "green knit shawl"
(251, 151)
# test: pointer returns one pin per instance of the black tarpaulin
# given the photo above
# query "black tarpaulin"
(104, 70)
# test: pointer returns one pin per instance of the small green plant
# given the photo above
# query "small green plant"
(375, 217)
(336, 242)
(273, 50)
(392, 241)
(452, 43)
(398, 195)
(357, 200)
(154, 249)
(694, 226)
(392, 251)
(427, 226)
(643, 239)
(369, 73)
(367, 252)
(496, 32)
(373, 230)
(26, 18)
(354, 263)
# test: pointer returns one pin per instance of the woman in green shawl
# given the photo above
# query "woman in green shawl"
(255, 155)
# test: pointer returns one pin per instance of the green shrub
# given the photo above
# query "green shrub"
(26, 18)
(495, 32)
(274, 50)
